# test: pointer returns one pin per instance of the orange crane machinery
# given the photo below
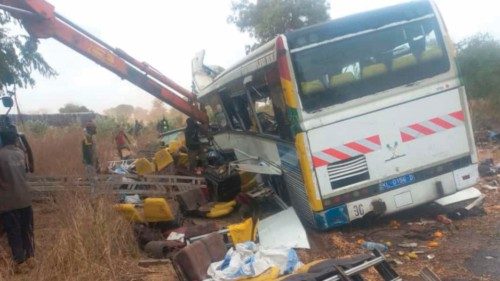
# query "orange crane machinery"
(41, 21)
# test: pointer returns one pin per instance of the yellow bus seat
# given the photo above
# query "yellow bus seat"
(241, 232)
(144, 167)
(129, 212)
(162, 159)
(404, 62)
(219, 212)
(270, 274)
(312, 87)
(431, 54)
(341, 79)
(174, 146)
(183, 159)
(157, 210)
(373, 70)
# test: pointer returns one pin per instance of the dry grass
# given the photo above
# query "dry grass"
(77, 237)
(59, 151)
(80, 238)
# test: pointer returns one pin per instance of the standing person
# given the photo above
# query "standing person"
(137, 128)
(89, 152)
(162, 126)
(122, 142)
(193, 143)
(16, 213)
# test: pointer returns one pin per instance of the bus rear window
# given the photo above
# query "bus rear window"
(340, 71)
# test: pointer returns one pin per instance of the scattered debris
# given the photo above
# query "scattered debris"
(394, 224)
(438, 234)
(162, 249)
(249, 259)
(408, 245)
(397, 261)
(283, 229)
(487, 168)
(412, 255)
(422, 222)
(428, 275)
(444, 220)
(489, 187)
(373, 245)
(152, 262)
(432, 244)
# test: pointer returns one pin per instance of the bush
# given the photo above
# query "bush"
(37, 127)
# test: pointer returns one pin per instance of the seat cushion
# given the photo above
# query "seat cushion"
(373, 70)
(191, 200)
(194, 261)
(215, 246)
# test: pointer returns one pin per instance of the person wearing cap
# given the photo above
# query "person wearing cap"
(16, 213)
(89, 152)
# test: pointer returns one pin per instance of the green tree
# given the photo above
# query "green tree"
(479, 60)
(73, 108)
(19, 57)
(264, 19)
(122, 112)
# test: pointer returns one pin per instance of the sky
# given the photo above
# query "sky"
(167, 35)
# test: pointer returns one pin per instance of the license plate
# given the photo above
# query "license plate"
(359, 208)
(397, 182)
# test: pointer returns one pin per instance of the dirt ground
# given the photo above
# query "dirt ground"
(469, 248)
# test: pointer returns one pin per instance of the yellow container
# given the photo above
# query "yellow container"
(241, 232)
(129, 212)
(144, 167)
(162, 159)
(157, 210)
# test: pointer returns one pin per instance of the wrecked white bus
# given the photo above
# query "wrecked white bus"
(364, 114)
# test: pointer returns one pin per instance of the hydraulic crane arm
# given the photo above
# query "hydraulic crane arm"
(41, 21)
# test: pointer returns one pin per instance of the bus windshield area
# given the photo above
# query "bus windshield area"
(337, 71)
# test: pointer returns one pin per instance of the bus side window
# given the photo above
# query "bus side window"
(217, 118)
(264, 109)
(244, 112)
(233, 117)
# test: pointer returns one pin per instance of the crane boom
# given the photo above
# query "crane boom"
(41, 21)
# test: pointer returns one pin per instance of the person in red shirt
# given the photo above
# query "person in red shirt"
(122, 142)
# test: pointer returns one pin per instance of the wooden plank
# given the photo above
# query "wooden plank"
(151, 262)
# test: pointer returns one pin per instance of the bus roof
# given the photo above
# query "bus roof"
(235, 71)
(334, 28)
(358, 22)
